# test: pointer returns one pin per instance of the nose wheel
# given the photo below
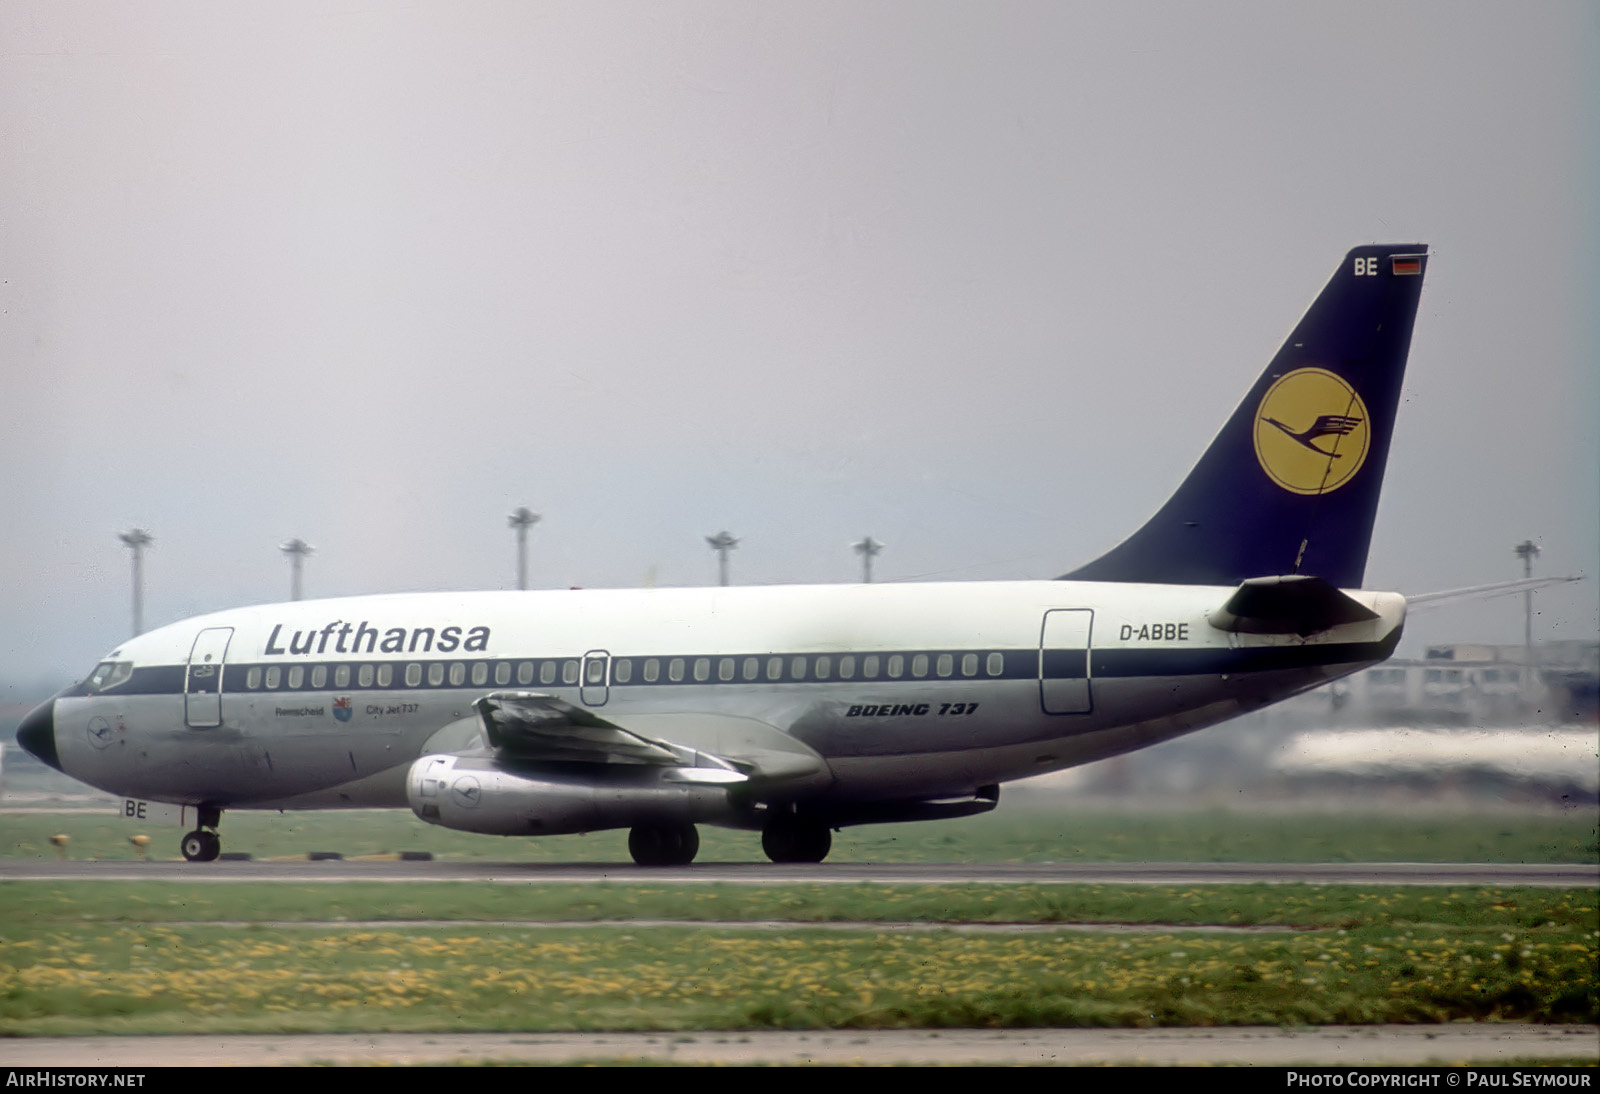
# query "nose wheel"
(203, 844)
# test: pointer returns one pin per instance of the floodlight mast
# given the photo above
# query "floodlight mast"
(297, 550)
(137, 539)
(722, 543)
(522, 519)
(868, 548)
(1527, 551)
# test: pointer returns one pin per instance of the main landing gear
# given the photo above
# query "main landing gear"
(203, 844)
(788, 838)
(663, 844)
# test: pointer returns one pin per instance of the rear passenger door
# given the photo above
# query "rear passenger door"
(1064, 684)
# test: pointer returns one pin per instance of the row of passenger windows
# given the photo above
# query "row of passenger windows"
(382, 676)
(801, 667)
(651, 670)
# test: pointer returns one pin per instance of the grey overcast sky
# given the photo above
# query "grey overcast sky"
(981, 280)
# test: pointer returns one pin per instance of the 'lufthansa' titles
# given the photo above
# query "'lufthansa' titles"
(357, 638)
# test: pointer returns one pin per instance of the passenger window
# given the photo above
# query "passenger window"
(869, 666)
(847, 667)
(919, 665)
(945, 665)
(435, 674)
(675, 670)
(652, 671)
(297, 676)
(752, 667)
(413, 675)
(547, 672)
(823, 665)
(996, 664)
(385, 675)
(502, 673)
(525, 672)
(364, 676)
(797, 669)
(252, 679)
(480, 673)
(595, 671)
(569, 672)
(897, 666)
(622, 671)
(774, 668)
(458, 674)
(969, 664)
(725, 669)
(319, 676)
(273, 676)
(702, 669)
(341, 676)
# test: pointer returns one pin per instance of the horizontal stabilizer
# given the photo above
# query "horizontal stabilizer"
(1485, 592)
(1293, 604)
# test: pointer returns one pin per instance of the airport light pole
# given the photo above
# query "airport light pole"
(137, 539)
(1527, 551)
(722, 543)
(297, 550)
(868, 549)
(522, 519)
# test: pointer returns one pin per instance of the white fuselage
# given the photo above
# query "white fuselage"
(902, 691)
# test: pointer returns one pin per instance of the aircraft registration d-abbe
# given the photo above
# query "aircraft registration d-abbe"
(792, 711)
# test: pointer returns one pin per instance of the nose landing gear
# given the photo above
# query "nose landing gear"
(204, 844)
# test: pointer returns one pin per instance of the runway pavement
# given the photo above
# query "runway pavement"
(1344, 1046)
(1114, 873)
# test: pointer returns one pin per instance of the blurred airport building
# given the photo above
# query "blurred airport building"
(1478, 685)
(1463, 724)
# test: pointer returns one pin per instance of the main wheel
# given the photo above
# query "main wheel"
(201, 846)
(663, 844)
(789, 839)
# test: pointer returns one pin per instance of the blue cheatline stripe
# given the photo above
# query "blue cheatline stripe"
(1018, 664)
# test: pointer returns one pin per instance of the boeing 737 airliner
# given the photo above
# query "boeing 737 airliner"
(792, 711)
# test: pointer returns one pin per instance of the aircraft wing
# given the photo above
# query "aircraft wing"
(704, 748)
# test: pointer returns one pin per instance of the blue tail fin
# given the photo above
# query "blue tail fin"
(1290, 485)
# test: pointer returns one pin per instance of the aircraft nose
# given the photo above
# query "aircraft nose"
(37, 733)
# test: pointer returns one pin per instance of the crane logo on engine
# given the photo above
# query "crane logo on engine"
(466, 792)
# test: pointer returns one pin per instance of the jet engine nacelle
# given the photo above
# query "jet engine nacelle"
(481, 794)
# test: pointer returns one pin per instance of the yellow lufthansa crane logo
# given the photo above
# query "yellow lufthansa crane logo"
(1311, 431)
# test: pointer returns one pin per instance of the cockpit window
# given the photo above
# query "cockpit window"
(108, 674)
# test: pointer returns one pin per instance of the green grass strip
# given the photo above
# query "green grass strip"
(35, 905)
(69, 964)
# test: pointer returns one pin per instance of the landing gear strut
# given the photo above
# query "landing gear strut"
(790, 839)
(203, 844)
(663, 844)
